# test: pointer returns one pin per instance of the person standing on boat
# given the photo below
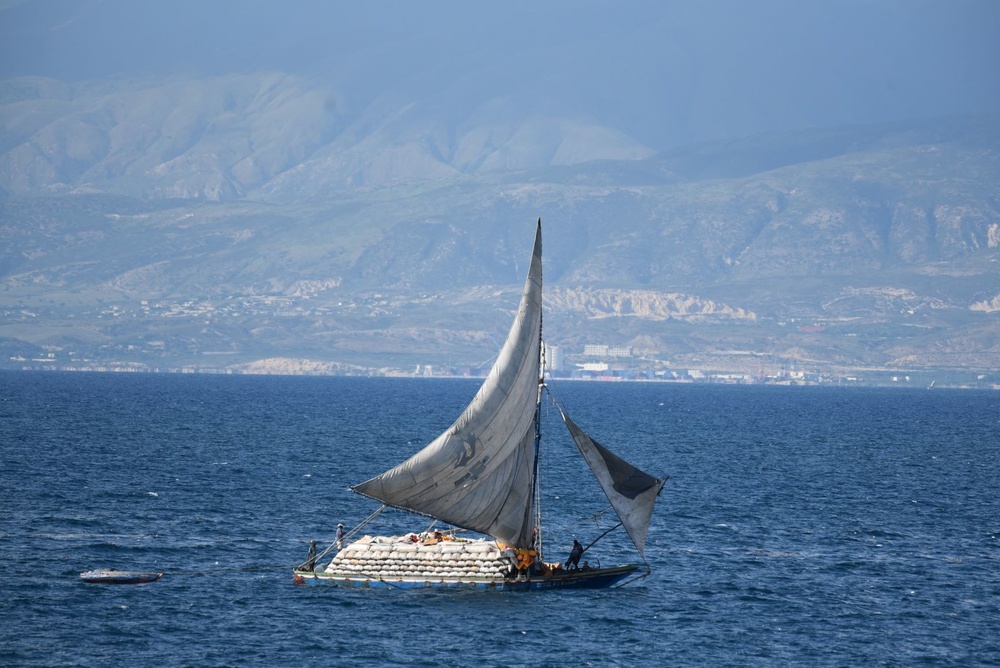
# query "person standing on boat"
(340, 537)
(574, 555)
(311, 557)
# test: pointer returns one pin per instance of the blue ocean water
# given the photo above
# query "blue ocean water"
(800, 526)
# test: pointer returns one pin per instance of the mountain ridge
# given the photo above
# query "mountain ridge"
(126, 220)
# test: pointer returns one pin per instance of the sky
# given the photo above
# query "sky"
(667, 72)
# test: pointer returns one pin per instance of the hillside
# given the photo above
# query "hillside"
(215, 223)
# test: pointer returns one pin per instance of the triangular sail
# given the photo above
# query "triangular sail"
(479, 474)
(631, 492)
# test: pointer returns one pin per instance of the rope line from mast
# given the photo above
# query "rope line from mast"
(347, 536)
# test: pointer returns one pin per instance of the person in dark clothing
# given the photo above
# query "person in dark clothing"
(574, 555)
(311, 558)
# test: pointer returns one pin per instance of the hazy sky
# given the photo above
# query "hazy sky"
(666, 72)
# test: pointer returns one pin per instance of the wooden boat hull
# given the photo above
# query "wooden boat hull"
(597, 578)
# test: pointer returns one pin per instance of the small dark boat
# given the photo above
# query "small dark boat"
(110, 576)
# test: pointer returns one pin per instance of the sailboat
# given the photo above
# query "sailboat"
(481, 476)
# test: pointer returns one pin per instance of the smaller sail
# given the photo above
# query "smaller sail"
(631, 492)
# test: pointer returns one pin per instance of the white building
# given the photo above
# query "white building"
(553, 358)
(601, 350)
(596, 367)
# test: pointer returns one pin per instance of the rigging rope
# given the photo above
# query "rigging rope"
(347, 537)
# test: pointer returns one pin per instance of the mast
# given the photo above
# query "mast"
(536, 489)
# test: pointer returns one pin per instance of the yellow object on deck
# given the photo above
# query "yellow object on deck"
(525, 558)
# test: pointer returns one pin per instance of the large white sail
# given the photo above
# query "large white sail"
(631, 492)
(479, 474)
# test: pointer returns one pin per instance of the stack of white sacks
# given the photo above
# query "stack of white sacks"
(401, 558)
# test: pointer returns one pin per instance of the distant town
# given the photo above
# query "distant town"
(148, 353)
(598, 362)
(602, 362)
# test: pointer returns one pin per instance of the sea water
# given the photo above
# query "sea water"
(800, 526)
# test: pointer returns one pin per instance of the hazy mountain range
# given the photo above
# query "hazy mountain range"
(379, 213)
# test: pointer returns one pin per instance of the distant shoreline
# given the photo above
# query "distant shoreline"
(854, 381)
